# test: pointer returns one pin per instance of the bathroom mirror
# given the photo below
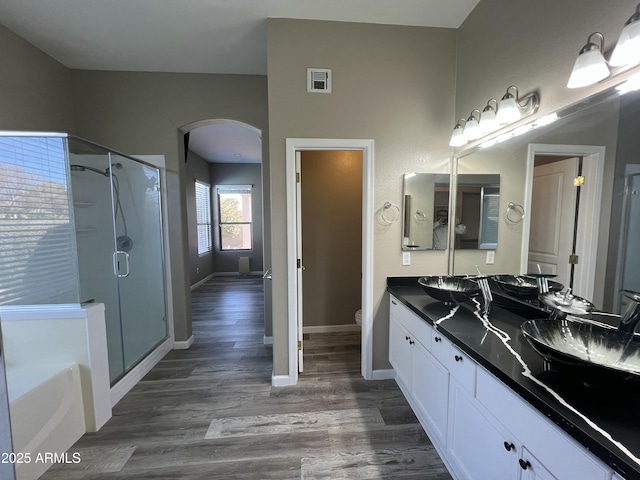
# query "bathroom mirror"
(477, 210)
(599, 136)
(424, 194)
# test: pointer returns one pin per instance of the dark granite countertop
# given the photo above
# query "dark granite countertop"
(613, 409)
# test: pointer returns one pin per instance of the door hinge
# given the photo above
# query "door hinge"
(573, 259)
(297, 177)
(578, 181)
(299, 344)
(299, 263)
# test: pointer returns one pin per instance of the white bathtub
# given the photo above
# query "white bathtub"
(47, 415)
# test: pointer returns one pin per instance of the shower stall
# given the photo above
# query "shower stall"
(91, 231)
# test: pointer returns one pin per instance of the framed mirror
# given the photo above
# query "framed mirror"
(424, 194)
(477, 205)
(594, 153)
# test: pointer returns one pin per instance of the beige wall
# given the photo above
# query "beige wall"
(35, 90)
(532, 45)
(392, 84)
(331, 191)
(142, 113)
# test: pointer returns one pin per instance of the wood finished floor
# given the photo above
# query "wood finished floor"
(210, 412)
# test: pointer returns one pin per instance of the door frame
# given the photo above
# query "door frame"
(590, 200)
(366, 146)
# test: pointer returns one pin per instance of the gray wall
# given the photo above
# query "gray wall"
(143, 113)
(391, 84)
(200, 266)
(238, 174)
(532, 45)
(35, 90)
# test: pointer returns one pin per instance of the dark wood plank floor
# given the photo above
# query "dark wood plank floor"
(210, 412)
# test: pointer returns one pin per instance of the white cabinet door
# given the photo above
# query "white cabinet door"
(400, 353)
(475, 446)
(430, 391)
(531, 468)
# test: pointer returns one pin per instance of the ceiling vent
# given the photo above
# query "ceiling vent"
(319, 80)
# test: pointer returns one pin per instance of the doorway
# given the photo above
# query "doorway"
(585, 235)
(294, 316)
(329, 204)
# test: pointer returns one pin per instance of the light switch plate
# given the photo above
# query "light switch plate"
(406, 258)
(491, 256)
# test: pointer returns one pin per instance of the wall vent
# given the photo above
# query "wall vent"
(319, 80)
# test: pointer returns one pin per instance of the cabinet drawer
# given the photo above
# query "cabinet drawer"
(462, 369)
(440, 347)
(563, 456)
(419, 329)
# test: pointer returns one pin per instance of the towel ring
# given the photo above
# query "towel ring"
(419, 216)
(515, 213)
(388, 206)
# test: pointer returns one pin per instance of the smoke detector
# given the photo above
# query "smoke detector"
(319, 80)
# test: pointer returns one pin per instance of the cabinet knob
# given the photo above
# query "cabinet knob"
(524, 464)
(437, 339)
(411, 342)
(407, 337)
(458, 358)
(393, 302)
(509, 446)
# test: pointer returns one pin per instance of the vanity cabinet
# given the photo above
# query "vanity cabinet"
(480, 427)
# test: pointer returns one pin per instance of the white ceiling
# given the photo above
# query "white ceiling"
(194, 36)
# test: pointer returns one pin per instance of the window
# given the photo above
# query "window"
(234, 204)
(203, 213)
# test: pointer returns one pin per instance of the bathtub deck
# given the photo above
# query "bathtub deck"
(210, 412)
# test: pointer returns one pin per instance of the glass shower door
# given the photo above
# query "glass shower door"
(138, 260)
(631, 232)
(91, 190)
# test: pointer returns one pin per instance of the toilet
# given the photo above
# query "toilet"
(359, 317)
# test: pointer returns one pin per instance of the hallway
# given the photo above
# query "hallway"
(210, 412)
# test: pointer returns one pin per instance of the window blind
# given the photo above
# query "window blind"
(38, 259)
(203, 215)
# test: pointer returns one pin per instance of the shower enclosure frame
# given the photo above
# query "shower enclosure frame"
(133, 372)
(120, 252)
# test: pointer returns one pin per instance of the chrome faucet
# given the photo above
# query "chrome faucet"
(631, 317)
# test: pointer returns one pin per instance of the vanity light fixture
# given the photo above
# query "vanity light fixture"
(488, 122)
(590, 66)
(510, 109)
(627, 50)
(457, 137)
(472, 127)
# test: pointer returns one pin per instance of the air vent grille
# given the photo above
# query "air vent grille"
(318, 80)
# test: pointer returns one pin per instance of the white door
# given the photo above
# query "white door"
(553, 214)
(300, 269)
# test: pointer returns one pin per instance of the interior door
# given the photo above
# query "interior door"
(553, 217)
(300, 269)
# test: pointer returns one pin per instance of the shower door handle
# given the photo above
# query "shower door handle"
(116, 264)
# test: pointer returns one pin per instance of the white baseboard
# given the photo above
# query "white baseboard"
(202, 282)
(183, 344)
(132, 378)
(331, 328)
(235, 274)
(268, 340)
(280, 380)
(388, 374)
